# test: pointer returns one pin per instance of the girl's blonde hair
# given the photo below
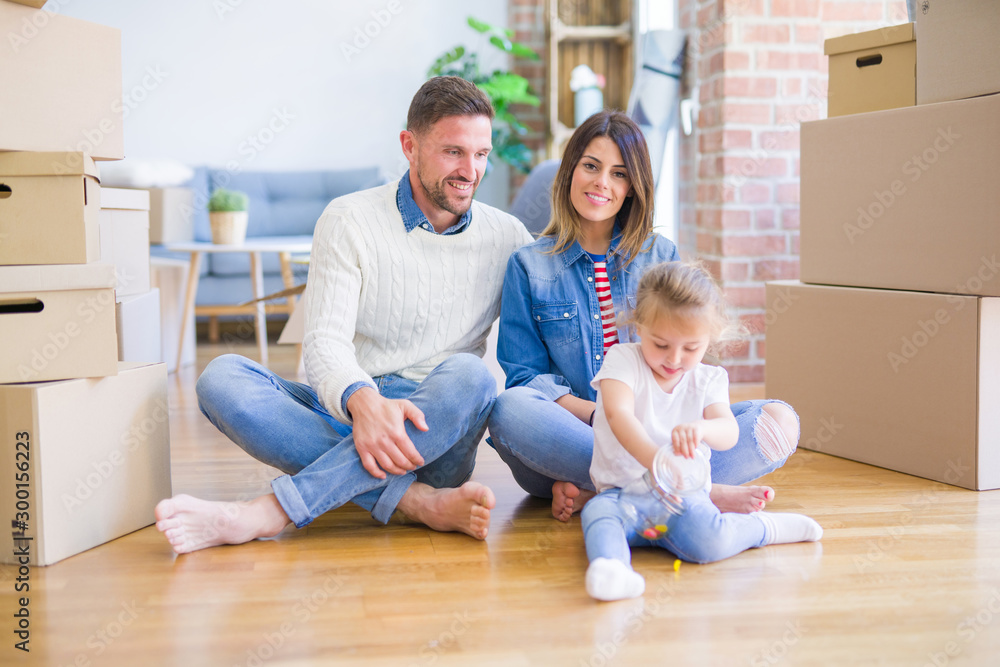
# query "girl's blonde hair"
(685, 290)
(636, 214)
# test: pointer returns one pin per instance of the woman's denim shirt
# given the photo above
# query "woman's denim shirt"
(550, 335)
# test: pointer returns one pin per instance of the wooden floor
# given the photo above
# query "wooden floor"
(908, 573)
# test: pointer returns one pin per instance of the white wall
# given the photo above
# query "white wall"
(206, 80)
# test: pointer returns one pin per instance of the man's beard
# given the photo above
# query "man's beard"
(440, 199)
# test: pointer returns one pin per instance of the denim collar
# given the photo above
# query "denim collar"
(576, 251)
(413, 217)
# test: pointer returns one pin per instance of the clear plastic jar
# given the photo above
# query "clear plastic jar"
(648, 503)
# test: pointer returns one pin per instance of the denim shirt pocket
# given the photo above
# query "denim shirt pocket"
(558, 323)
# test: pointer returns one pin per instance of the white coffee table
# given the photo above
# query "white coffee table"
(253, 247)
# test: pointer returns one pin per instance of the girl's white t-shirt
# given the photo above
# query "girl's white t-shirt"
(658, 411)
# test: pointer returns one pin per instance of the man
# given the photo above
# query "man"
(403, 286)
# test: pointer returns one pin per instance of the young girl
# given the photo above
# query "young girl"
(557, 323)
(657, 393)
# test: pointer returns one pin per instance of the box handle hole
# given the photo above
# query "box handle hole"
(5, 191)
(21, 306)
(868, 61)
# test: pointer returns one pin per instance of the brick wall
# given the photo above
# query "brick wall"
(527, 20)
(758, 69)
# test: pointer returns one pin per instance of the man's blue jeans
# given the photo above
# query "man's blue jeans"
(543, 443)
(283, 424)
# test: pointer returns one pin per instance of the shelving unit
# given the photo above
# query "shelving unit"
(598, 33)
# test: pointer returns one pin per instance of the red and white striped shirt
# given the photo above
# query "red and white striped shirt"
(603, 287)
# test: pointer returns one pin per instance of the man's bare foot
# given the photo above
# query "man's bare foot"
(567, 498)
(190, 524)
(463, 510)
(741, 499)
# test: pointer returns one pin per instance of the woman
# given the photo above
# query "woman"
(561, 295)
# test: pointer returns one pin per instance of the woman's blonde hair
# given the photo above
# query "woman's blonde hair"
(636, 214)
(685, 290)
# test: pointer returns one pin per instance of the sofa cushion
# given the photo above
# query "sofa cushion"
(281, 203)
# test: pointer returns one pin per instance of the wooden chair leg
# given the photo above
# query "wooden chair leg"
(213, 329)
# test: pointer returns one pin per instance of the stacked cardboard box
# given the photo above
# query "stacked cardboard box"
(87, 453)
(889, 348)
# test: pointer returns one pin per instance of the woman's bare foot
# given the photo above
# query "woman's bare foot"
(465, 509)
(741, 499)
(567, 498)
(190, 524)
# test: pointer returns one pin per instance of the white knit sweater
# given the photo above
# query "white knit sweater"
(380, 300)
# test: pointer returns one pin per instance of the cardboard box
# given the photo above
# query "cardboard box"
(872, 71)
(57, 322)
(170, 276)
(295, 328)
(958, 49)
(62, 84)
(908, 381)
(137, 319)
(904, 199)
(125, 238)
(49, 209)
(37, 4)
(171, 215)
(93, 454)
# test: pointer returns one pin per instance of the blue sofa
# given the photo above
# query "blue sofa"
(281, 204)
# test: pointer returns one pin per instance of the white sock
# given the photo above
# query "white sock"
(609, 579)
(785, 528)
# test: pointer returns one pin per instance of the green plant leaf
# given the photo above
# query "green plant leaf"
(509, 88)
(503, 87)
(519, 50)
(448, 58)
(479, 26)
(227, 200)
(501, 43)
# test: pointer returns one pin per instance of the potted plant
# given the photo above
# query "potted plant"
(227, 213)
(503, 87)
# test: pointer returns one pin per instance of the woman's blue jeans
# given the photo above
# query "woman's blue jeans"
(283, 424)
(543, 443)
(701, 534)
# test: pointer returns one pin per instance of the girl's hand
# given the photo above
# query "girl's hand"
(685, 439)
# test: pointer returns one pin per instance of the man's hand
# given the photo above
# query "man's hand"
(380, 432)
